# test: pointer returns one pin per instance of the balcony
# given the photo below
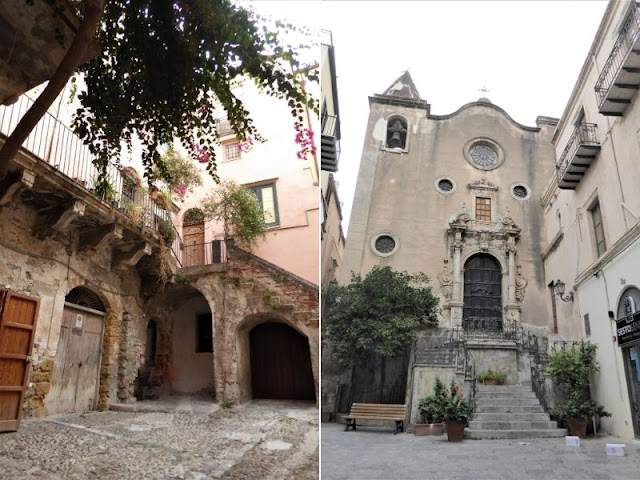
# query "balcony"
(580, 152)
(54, 172)
(223, 127)
(620, 77)
(330, 144)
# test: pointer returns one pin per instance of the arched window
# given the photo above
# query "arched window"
(629, 303)
(193, 216)
(84, 297)
(396, 132)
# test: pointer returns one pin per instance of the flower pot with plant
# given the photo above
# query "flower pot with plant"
(457, 412)
(492, 378)
(166, 231)
(571, 369)
(431, 409)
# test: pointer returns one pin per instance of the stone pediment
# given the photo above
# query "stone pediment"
(483, 184)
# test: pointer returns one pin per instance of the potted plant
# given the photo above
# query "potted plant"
(166, 231)
(492, 378)
(431, 409)
(457, 411)
(571, 369)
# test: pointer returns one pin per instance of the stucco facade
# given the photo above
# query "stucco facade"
(592, 209)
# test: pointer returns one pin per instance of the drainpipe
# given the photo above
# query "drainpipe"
(611, 329)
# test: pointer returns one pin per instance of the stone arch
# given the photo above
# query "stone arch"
(296, 343)
(397, 130)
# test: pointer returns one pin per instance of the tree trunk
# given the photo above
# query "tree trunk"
(68, 65)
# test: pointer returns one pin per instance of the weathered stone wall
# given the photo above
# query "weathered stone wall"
(49, 268)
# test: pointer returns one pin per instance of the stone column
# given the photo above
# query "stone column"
(456, 298)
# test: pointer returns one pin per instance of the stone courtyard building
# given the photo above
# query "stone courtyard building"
(100, 305)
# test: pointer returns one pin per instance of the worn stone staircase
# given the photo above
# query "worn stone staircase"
(510, 411)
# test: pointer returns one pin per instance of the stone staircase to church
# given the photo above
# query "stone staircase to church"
(510, 411)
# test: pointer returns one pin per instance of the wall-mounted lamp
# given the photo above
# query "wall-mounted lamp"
(558, 289)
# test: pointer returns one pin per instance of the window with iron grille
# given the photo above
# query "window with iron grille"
(483, 209)
(231, 151)
(598, 229)
(266, 195)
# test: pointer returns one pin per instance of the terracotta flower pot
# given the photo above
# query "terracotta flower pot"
(429, 429)
(577, 427)
(491, 382)
(455, 431)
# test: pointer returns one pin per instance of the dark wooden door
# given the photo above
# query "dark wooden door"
(74, 380)
(280, 363)
(193, 244)
(482, 294)
(18, 317)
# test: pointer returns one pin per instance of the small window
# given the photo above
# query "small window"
(598, 229)
(520, 192)
(397, 133)
(587, 325)
(483, 209)
(204, 333)
(152, 341)
(223, 126)
(231, 151)
(445, 185)
(266, 195)
(385, 244)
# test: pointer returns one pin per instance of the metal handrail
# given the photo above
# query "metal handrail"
(56, 144)
(624, 43)
(585, 133)
(200, 254)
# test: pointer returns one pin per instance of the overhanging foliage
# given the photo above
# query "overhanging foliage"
(379, 313)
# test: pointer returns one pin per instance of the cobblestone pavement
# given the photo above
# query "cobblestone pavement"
(257, 440)
(368, 454)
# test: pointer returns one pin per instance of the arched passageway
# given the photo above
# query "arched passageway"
(280, 363)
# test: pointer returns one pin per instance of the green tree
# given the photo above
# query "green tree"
(378, 314)
(163, 69)
(239, 211)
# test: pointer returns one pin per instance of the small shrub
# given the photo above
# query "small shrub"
(227, 403)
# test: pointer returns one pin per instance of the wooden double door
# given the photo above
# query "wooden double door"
(482, 294)
(18, 317)
(75, 377)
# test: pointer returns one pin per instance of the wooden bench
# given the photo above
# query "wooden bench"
(377, 411)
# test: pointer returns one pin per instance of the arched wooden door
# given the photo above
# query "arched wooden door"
(482, 294)
(280, 363)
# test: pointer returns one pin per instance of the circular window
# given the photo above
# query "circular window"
(483, 153)
(445, 185)
(385, 244)
(520, 192)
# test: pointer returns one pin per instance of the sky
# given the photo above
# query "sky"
(528, 55)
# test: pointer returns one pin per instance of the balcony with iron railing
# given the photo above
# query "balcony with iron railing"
(330, 143)
(581, 150)
(69, 162)
(620, 76)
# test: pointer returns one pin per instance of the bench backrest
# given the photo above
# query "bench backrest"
(378, 410)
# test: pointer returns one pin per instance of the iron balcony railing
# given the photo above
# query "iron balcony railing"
(584, 134)
(223, 126)
(626, 39)
(56, 144)
(200, 254)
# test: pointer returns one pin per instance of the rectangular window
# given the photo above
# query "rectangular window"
(204, 333)
(223, 126)
(231, 151)
(266, 195)
(598, 229)
(587, 325)
(483, 209)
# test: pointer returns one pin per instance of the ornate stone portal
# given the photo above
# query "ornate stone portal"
(467, 237)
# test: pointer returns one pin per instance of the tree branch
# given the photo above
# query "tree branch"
(68, 65)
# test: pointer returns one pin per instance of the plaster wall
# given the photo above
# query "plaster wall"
(193, 371)
(423, 380)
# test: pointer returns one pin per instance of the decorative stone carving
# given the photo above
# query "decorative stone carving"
(484, 185)
(521, 284)
(446, 280)
(483, 240)
(510, 246)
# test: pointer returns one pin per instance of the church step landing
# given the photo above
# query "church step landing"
(502, 409)
(511, 416)
(512, 434)
(512, 425)
(504, 401)
(512, 394)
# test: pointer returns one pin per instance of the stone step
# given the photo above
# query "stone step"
(509, 409)
(512, 425)
(506, 401)
(511, 434)
(485, 395)
(497, 417)
(502, 388)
